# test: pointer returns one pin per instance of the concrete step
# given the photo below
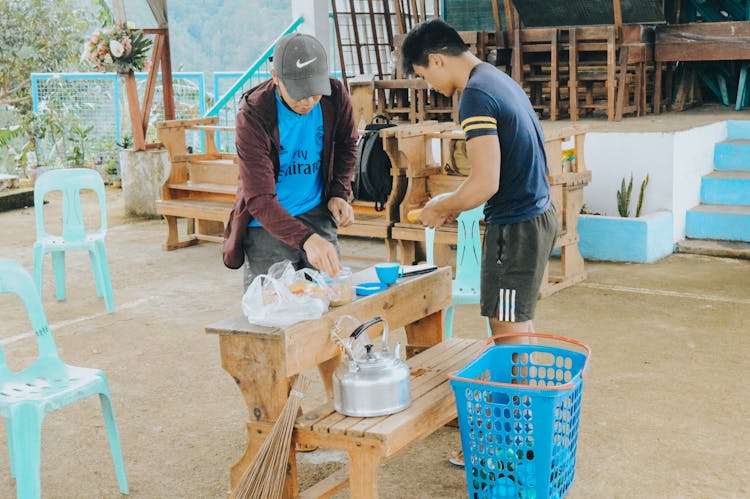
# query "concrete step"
(712, 247)
(714, 221)
(726, 187)
(732, 154)
(738, 129)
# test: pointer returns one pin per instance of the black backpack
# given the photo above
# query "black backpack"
(372, 179)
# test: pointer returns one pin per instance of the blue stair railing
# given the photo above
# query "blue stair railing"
(226, 106)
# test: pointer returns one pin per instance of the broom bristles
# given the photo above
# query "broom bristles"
(264, 478)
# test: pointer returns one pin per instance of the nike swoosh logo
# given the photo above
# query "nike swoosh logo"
(301, 65)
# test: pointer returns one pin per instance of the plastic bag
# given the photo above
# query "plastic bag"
(285, 296)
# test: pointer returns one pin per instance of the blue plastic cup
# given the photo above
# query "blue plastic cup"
(388, 272)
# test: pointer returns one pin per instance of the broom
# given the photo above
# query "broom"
(264, 478)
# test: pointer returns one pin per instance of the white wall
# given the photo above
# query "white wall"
(612, 156)
(315, 13)
(675, 162)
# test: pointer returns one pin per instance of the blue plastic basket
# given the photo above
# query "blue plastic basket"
(518, 413)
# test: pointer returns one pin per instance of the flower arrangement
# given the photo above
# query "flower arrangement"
(118, 47)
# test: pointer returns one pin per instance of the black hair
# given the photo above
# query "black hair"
(430, 37)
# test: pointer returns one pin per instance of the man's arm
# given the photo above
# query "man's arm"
(483, 153)
(344, 145)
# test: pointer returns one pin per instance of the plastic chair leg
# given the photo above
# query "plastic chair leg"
(9, 431)
(96, 270)
(101, 255)
(58, 268)
(38, 265)
(742, 87)
(114, 441)
(27, 449)
(448, 326)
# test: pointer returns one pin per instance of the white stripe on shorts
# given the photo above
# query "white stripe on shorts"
(506, 308)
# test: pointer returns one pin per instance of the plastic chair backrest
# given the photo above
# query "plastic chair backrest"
(70, 181)
(15, 279)
(469, 247)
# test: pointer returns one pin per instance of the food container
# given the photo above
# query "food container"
(341, 288)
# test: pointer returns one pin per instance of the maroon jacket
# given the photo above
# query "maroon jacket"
(258, 157)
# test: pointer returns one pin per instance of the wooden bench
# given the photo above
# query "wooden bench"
(426, 178)
(372, 441)
(263, 361)
(201, 187)
(378, 224)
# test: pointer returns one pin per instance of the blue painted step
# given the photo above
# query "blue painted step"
(712, 221)
(726, 187)
(738, 129)
(732, 154)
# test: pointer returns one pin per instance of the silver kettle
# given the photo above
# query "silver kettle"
(374, 384)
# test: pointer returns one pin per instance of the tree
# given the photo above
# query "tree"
(38, 36)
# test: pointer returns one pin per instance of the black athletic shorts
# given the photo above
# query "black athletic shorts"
(514, 257)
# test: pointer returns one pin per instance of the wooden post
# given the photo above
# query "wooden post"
(617, 8)
(139, 115)
(139, 136)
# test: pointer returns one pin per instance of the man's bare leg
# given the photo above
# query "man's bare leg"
(505, 327)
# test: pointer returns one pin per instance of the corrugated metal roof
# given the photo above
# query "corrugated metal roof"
(537, 13)
(471, 15)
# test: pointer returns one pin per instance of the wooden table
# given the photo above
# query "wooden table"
(263, 361)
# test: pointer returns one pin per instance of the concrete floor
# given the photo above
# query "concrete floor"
(665, 405)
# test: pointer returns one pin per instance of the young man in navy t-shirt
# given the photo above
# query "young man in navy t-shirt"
(505, 147)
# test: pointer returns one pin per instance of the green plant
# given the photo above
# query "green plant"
(8, 134)
(127, 142)
(641, 194)
(78, 136)
(623, 197)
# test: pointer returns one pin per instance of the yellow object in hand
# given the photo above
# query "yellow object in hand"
(413, 215)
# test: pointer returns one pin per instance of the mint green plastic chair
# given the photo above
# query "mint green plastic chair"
(466, 288)
(71, 181)
(44, 386)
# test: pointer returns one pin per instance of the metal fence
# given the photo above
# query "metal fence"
(85, 114)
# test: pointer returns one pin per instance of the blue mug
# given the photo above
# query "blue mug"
(388, 272)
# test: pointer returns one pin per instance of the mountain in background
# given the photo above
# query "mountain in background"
(217, 35)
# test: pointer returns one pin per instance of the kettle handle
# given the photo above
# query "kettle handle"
(361, 328)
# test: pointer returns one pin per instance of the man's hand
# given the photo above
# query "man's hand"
(435, 214)
(322, 255)
(342, 211)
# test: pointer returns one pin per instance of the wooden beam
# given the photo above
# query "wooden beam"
(167, 85)
(148, 95)
(139, 137)
(617, 8)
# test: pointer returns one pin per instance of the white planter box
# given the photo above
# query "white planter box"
(643, 239)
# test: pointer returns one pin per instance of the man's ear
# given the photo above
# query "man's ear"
(436, 60)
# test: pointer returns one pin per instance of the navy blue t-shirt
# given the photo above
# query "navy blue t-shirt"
(494, 104)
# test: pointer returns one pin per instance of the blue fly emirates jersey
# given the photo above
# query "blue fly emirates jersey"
(299, 187)
(492, 103)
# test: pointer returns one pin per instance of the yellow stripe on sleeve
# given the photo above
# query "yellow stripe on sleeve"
(479, 126)
(478, 118)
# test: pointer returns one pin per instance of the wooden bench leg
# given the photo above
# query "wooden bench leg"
(408, 252)
(173, 236)
(363, 473)
(391, 249)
